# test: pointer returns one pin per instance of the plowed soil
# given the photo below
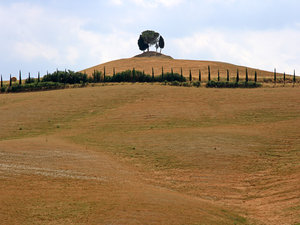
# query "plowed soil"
(150, 154)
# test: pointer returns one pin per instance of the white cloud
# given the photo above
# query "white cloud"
(149, 3)
(260, 49)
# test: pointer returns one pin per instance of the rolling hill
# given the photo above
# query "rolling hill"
(148, 60)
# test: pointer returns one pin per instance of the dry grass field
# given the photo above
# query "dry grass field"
(147, 63)
(150, 154)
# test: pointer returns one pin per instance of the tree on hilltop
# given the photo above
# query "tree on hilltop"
(161, 43)
(150, 38)
(142, 44)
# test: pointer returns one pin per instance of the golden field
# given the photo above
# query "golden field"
(150, 154)
(157, 63)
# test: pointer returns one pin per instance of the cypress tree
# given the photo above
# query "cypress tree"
(143, 73)
(227, 75)
(200, 75)
(294, 78)
(218, 75)
(237, 76)
(255, 76)
(181, 73)
(94, 75)
(39, 78)
(114, 72)
(104, 73)
(284, 77)
(133, 75)
(29, 79)
(10, 80)
(275, 76)
(20, 78)
(152, 74)
(247, 79)
(208, 73)
(1, 81)
(190, 75)
(162, 73)
(172, 72)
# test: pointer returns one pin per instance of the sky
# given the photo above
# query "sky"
(45, 35)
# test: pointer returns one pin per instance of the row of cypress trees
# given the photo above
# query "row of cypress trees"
(96, 76)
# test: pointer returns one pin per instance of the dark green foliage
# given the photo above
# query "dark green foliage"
(152, 74)
(162, 72)
(190, 75)
(69, 77)
(255, 76)
(171, 70)
(181, 74)
(284, 77)
(35, 86)
(294, 77)
(150, 37)
(142, 44)
(209, 73)
(10, 80)
(96, 76)
(20, 78)
(133, 75)
(104, 74)
(222, 84)
(247, 78)
(237, 76)
(1, 82)
(138, 76)
(200, 75)
(114, 71)
(275, 78)
(218, 75)
(227, 76)
(161, 43)
(28, 79)
(196, 84)
(170, 77)
(39, 77)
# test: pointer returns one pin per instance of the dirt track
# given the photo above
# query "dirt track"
(148, 154)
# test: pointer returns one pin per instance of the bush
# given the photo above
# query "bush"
(175, 83)
(222, 84)
(186, 84)
(69, 77)
(196, 84)
(33, 87)
(170, 77)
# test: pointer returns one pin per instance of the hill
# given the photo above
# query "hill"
(148, 60)
(150, 154)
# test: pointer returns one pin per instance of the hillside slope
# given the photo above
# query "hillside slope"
(157, 62)
(150, 154)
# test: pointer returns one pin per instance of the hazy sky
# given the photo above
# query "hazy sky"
(41, 35)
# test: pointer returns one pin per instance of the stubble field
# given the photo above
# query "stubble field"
(150, 154)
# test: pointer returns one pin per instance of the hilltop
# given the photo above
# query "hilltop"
(153, 54)
(148, 60)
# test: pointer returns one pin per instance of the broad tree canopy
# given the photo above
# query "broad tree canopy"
(149, 38)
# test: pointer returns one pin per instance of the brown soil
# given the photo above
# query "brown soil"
(153, 54)
(150, 154)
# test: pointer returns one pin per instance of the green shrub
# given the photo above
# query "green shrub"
(186, 84)
(175, 83)
(69, 77)
(196, 84)
(222, 84)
